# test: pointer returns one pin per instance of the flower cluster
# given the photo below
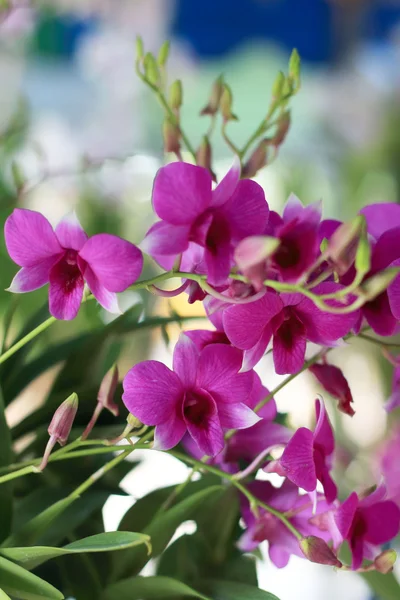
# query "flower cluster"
(265, 279)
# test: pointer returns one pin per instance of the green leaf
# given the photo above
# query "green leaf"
(162, 528)
(6, 490)
(149, 588)
(232, 590)
(31, 557)
(3, 595)
(17, 581)
(385, 586)
(39, 524)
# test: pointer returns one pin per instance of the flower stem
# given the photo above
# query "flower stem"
(26, 339)
(254, 502)
(377, 342)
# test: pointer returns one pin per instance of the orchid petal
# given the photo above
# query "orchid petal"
(66, 292)
(116, 263)
(152, 392)
(236, 416)
(289, 346)
(164, 238)
(345, 514)
(186, 357)
(226, 187)
(169, 434)
(381, 217)
(383, 522)
(32, 278)
(30, 238)
(70, 233)
(297, 460)
(253, 356)
(106, 299)
(181, 193)
(246, 211)
(323, 434)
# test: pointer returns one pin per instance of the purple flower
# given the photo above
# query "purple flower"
(282, 543)
(203, 395)
(389, 466)
(366, 524)
(298, 240)
(334, 382)
(381, 217)
(213, 221)
(308, 456)
(66, 258)
(291, 320)
(383, 312)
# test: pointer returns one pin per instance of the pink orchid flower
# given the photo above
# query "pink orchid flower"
(66, 258)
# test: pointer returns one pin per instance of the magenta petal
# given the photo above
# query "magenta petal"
(323, 434)
(344, 516)
(393, 293)
(253, 356)
(66, 292)
(206, 431)
(236, 416)
(106, 299)
(258, 393)
(329, 486)
(381, 217)
(323, 327)
(279, 556)
(378, 314)
(186, 357)
(289, 347)
(70, 233)
(169, 434)
(357, 550)
(227, 185)
(30, 238)
(247, 210)
(163, 238)
(297, 460)
(205, 337)
(295, 211)
(218, 262)
(32, 278)
(181, 193)
(218, 373)
(244, 324)
(152, 392)
(383, 522)
(116, 263)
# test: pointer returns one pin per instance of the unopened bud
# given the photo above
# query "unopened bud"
(226, 104)
(294, 67)
(251, 255)
(139, 48)
(105, 398)
(282, 130)
(132, 423)
(377, 284)
(318, 551)
(213, 103)
(151, 69)
(175, 95)
(363, 256)
(334, 382)
(257, 160)
(203, 156)
(277, 87)
(163, 54)
(60, 426)
(171, 136)
(342, 247)
(385, 561)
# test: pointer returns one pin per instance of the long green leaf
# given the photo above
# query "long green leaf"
(31, 557)
(17, 581)
(3, 595)
(150, 588)
(161, 529)
(6, 490)
(232, 590)
(385, 586)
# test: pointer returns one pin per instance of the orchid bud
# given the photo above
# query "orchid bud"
(342, 246)
(105, 398)
(203, 156)
(385, 561)
(175, 95)
(171, 135)
(283, 128)
(151, 69)
(132, 423)
(226, 104)
(254, 249)
(163, 54)
(215, 97)
(139, 48)
(377, 284)
(278, 86)
(257, 160)
(318, 551)
(60, 426)
(363, 256)
(294, 68)
(334, 382)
